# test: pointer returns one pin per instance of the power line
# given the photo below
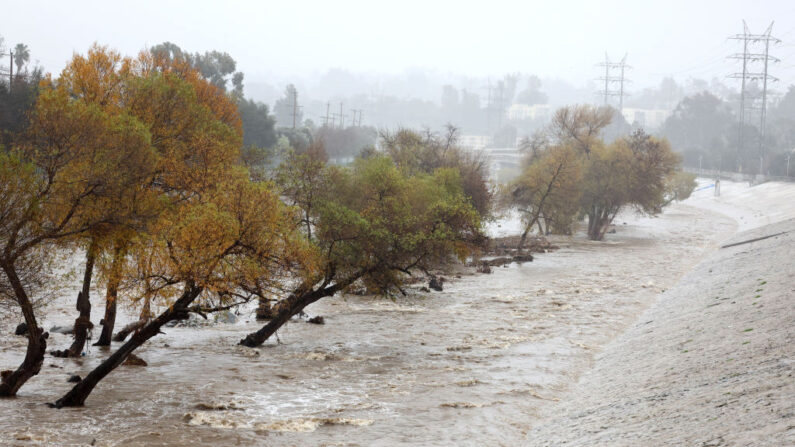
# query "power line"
(714, 55)
(295, 106)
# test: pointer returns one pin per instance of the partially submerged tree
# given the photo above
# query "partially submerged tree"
(630, 172)
(219, 249)
(195, 132)
(55, 186)
(679, 186)
(548, 191)
(579, 173)
(98, 79)
(377, 223)
(218, 239)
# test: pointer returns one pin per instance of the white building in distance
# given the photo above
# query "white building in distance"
(648, 119)
(475, 142)
(520, 112)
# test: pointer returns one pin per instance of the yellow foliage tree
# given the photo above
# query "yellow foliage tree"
(56, 185)
(549, 190)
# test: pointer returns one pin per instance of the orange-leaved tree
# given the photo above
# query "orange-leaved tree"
(234, 242)
(196, 133)
(56, 184)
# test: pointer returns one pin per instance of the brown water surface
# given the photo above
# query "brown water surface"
(473, 365)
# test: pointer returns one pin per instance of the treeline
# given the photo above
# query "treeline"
(141, 163)
(570, 173)
(706, 130)
(267, 134)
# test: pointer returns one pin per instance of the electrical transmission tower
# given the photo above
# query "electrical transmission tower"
(755, 61)
(355, 122)
(341, 117)
(614, 80)
(327, 115)
(296, 107)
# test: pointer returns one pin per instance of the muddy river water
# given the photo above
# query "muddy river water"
(476, 364)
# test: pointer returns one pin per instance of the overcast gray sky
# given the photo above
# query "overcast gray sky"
(551, 38)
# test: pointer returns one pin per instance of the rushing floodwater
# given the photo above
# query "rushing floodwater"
(476, 364)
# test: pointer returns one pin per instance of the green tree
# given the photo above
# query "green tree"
(258, 124)
(703, 127)
(633, 171)
(21, 56)
(286, 109)
(548, 190)
(215, 66)
(377, 223)
(16, 102)
(414, 153)
(679, 186)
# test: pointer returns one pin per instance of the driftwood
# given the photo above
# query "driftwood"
(753, 240)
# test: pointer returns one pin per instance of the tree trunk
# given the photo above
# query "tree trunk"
(291, 306)
(264, 310)
(594, 225)
(110, 298)
(523, 239)
(127, 330)
(598, 221)
(12, 381)
(83, 321)
(527, 229)
(76, 397)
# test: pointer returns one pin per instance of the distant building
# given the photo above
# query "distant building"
(475, 142)
(649, 119)
(519, 112)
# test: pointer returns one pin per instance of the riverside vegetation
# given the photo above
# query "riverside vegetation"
(140, 162)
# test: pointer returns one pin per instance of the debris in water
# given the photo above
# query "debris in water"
(134, 360)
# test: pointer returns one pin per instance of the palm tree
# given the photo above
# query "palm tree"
(21, 56)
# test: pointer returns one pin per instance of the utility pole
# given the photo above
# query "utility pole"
(488, 110)
(607, 76)
(355, 122)
(500, 104)
(342, 117)
(11, 71)
(326, 118)
(610, 80)
(754, 68)
(295, 105)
